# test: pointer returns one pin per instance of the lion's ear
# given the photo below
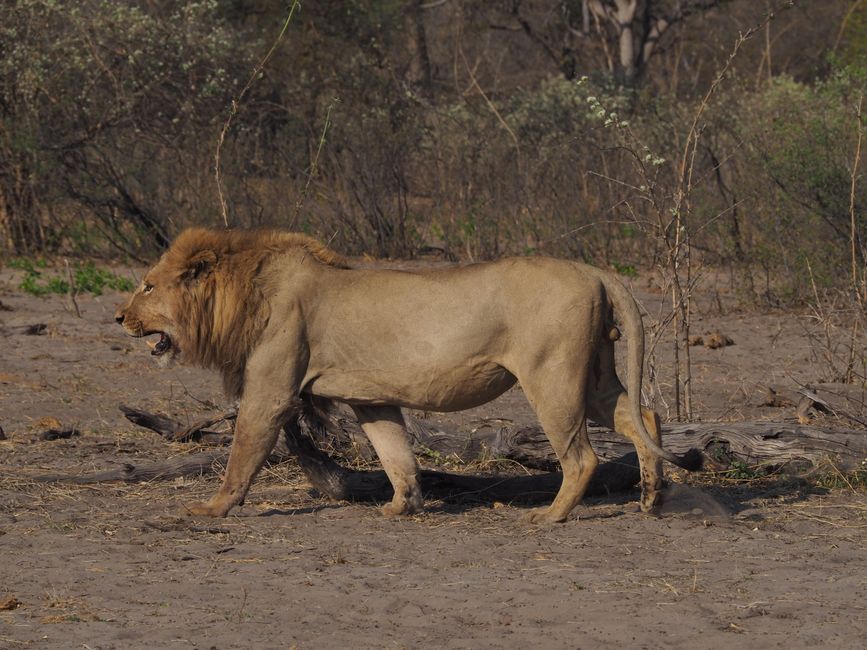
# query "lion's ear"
(200, 265)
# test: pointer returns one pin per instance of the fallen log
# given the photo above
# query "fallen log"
(136, 472)
(342, 484)
(770, 443)
(723, 443)
(174, 431)
(753, 443)
(199, 429)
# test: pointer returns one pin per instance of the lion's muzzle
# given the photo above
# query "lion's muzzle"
(134, 327)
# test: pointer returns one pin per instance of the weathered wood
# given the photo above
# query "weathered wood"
(747, 442)
(754, 443)
(340, 483)
(173, 430)
(134, 472)
(527, 446)
(199, 428)
(163, 425)
(775, 443)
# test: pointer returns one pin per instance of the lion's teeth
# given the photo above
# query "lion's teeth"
(151, 344)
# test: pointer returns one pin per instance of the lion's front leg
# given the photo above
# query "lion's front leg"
(270, 398)
(252, 444)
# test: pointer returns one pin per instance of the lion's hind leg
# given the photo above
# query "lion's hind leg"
(384, 426)
(649, 462)
(578, 461)
(609, 407)
(561, 413)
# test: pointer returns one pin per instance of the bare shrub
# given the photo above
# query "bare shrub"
(103, 108)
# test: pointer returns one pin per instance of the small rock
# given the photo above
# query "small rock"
(36, 329)
(693, 503)
(55, 434)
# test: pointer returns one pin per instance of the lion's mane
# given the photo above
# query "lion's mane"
(223, 313)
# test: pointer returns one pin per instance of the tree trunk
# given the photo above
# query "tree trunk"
(418, 73)
(6, 242)
(626, 39)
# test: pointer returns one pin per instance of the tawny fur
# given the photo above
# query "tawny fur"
(225, 313)
(281, 316)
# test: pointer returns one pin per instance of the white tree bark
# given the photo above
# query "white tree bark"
(635, 48)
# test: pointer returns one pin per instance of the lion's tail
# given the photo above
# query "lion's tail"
(625, 305)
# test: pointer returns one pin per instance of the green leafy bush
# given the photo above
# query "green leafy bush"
(87, 278)
(797, 146)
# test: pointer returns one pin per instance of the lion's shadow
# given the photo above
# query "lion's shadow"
(614, 485)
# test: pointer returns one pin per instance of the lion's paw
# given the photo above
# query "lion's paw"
(204, 509)
(408, 502)
(392, 510)
(400, 509)
(651, 503)
(544, 516)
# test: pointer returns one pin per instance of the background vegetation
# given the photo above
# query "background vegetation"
(396, 127)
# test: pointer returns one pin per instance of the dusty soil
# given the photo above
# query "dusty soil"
(117, 566)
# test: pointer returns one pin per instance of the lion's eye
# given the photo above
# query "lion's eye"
(147, 288)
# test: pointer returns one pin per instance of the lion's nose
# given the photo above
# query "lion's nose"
(119, 317)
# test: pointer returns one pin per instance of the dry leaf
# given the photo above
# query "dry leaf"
(9, 603)
(48, 422)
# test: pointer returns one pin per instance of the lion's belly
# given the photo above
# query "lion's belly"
(438, 389)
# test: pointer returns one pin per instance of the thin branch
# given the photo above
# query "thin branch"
(314, 167)
(844, 23)
(857, 285)
(853, 233)
(71, 281)
(490, 104)
(236, 104)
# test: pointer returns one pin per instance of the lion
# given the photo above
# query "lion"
(284, 319)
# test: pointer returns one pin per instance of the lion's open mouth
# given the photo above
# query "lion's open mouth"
(163, 345)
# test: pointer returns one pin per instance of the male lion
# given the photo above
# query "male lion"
(280, 316)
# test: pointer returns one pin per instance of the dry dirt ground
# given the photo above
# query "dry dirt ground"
(116, 565)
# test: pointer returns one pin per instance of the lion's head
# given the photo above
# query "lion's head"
(204, 298)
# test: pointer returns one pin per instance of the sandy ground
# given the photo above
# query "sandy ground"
(116, 566)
